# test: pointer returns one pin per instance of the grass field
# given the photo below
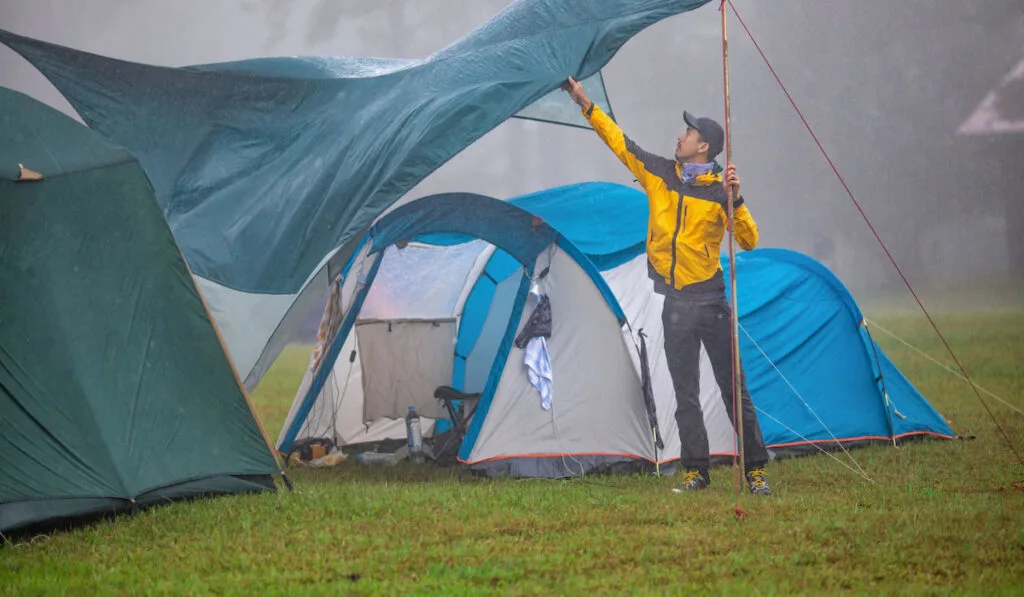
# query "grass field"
(940, 518)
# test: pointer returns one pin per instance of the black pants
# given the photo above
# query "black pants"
(687, 324)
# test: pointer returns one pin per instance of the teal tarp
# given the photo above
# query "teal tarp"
(262, 167)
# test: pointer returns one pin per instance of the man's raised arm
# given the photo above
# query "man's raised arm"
(636, 159)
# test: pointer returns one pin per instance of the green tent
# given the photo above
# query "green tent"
(115, 389)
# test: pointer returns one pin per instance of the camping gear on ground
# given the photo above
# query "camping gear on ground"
(460, 407)
(378, 458)
(311, 448)
(315, 452)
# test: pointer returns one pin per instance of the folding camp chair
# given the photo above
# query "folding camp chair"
(459, 414)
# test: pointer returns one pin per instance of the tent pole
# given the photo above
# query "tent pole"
(657, 458)
(886, 403)
(734, 323)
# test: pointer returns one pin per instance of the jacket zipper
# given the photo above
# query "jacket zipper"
(680, 227)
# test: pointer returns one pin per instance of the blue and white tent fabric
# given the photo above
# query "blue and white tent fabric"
(445, 310)
(270, 170)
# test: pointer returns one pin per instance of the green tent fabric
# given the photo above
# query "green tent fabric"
(115, 390)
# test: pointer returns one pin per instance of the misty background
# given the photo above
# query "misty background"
(887, 86)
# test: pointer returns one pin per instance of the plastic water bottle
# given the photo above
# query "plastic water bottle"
(415, 434)
(377, 458)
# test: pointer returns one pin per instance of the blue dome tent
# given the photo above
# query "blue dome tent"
(441, 287)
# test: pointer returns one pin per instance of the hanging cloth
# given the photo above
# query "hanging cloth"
(533, 340)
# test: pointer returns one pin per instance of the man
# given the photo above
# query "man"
(687, 223)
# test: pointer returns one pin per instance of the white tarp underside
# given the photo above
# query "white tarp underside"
(256, 327)
(246, 320)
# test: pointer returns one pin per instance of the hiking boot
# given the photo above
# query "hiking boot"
(758, 481)
(693, 479)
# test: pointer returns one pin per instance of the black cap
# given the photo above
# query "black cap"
(710, 131)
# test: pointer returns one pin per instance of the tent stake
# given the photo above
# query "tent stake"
(657, 463)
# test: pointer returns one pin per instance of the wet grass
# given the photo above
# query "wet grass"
(941, 516)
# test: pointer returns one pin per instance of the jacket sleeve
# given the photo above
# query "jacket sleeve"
(637, 160)
(746, 228)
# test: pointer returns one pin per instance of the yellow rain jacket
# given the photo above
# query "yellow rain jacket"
(687, 221)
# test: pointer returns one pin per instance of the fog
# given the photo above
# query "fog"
(887, 86)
